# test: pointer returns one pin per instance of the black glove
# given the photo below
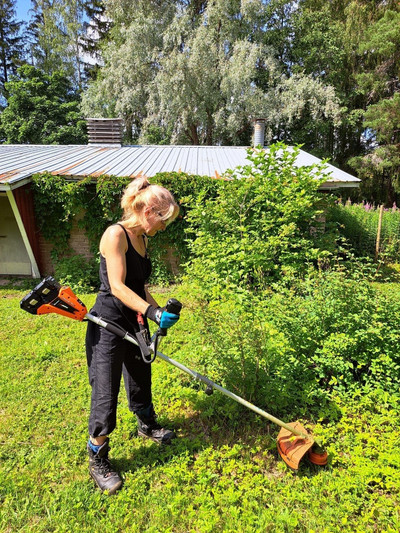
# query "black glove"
(161, 317)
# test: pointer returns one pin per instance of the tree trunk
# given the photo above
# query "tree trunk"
(192, 134)
(209, 129)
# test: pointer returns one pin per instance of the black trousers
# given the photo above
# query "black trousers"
(109, 356)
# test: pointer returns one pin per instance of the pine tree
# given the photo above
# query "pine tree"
(379, 80)
(11, 47)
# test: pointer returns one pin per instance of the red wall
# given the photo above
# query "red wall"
(24, 200)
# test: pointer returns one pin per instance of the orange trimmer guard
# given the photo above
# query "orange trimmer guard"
(292, 448)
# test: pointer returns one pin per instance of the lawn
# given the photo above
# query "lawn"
(223, 473)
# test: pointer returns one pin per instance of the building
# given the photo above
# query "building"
(22, 248)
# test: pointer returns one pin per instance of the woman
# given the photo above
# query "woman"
(124, 269)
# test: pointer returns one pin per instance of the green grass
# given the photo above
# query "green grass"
(223, 474)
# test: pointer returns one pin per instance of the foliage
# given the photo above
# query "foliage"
(131, 49)
(379, 80)
(11, 48)
(77, 272)
(96, 29)
(275, 320)
(358, 223)
(343, 333)
(54, 209)
(101, 205)
(56, 32)
(292, 349)
(202, 77)
(352, 46)
(189, 191)
(223, 473)
(42, 109)
(263, 225)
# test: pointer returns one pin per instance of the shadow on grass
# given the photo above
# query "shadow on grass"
(217, 426)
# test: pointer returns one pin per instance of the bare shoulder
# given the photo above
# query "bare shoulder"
(113, 238)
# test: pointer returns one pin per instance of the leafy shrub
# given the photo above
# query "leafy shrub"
(80, 274)
(290, 350)
(236, 345)
(263, 225)
(341, 329)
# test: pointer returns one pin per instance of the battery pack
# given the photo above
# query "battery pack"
(50, 297)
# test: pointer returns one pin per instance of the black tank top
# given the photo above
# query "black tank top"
(138, 270)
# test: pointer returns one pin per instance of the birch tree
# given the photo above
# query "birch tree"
(57, 34)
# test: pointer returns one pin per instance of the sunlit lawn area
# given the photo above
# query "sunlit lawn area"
(223, 474)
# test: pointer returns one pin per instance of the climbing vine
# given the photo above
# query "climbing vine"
(58, 200)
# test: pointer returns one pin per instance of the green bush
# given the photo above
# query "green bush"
(342, 332)
(291, 350)
(264, 225)
(81, 274)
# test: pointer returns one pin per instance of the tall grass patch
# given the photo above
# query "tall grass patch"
(358, 223)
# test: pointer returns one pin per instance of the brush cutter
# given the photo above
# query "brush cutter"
(50, 297)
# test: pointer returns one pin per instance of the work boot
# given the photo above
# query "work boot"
(101, 470)
(149, 427)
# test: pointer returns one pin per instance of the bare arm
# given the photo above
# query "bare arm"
(150, 299)
(113, 247)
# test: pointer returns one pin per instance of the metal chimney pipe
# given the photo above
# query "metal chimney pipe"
(259, 132)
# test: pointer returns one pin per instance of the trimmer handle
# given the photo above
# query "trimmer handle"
(173, 306)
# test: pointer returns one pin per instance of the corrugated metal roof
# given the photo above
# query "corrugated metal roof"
(19, 162)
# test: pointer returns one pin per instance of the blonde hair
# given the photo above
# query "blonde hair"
(140, 194)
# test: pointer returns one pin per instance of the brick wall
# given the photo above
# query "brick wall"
(46, 265)
(78, 242)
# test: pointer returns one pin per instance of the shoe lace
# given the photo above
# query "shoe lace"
(103, 466)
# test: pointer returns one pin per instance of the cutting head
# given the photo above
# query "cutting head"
(292, 448)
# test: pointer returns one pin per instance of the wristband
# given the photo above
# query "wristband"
(154, 313)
